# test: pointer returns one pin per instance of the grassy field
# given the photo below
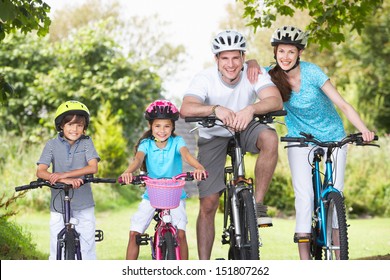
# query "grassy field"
(368, 237)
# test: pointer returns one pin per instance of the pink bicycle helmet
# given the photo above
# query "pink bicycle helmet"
(161, 109)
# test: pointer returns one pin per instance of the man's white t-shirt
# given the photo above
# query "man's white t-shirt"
(209, 87)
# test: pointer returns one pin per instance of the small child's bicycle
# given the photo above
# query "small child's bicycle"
(164, 194)
(68, 239)
(329, 236)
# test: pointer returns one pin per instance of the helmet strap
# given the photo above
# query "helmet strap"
(157, 140)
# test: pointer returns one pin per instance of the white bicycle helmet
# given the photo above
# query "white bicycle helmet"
(290, 35)
(228, 40)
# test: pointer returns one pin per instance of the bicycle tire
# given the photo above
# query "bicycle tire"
(249, 247)
(168, 250)
(70, 244)
(315, 248)
(335, 202)
(249, 229)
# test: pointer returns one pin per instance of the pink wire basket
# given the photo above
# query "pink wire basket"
(164, 193)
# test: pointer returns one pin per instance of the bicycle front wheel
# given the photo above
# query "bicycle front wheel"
(248, 225)
(336, 246)
(168, 247)
(70, 244)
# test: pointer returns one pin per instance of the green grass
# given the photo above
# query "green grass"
(368, 237)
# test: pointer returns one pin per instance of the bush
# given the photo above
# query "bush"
(15, 244)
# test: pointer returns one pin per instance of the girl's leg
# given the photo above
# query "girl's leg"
(179, 219)
(132, 247)
(140, 221)
(181, 235)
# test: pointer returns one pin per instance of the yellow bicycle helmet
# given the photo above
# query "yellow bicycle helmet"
(71, 107)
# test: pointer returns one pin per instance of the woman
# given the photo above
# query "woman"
(309, 98)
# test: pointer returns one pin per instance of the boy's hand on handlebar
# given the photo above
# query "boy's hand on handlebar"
(75, 182)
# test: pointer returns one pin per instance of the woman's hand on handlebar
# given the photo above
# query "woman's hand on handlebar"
(368, 136)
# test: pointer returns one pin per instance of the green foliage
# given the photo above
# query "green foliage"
(109, 141)
(88, 67)
(328, 18)
(367, 181)
(16, 243)
(24, 15)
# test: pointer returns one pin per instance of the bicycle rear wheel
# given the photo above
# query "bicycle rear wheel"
(337, 240)
(168, 246)
(248, 249)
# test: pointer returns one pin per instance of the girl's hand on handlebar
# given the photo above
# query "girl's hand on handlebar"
(200, 174)
(127, 178)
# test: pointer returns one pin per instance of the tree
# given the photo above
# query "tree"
(89, 67)
(26, 16)
(329, 17)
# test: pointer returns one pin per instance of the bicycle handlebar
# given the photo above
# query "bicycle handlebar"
(308, 138)
(140, 179)
(40, 183)
(209, 121)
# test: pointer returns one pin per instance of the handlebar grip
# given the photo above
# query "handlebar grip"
(278, 113)
(22, 188)
(193, 119)
(291, 139)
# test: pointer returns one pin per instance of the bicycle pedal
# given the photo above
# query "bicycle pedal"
(220, 259)
(265, 225)
(99, 236)
(142, 239)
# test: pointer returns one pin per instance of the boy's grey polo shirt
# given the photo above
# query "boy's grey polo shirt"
(63, 157)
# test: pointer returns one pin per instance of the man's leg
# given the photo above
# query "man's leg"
(205, 226)
(267, 142)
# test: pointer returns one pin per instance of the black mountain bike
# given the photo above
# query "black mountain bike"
(68, 239)
(240, 229)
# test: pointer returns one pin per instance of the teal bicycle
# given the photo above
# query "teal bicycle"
(329, 237)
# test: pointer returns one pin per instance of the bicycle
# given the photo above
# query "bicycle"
(164, 195)
(68, 239)
(240, 229)
(329, 209)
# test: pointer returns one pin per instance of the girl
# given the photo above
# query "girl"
(160, 152)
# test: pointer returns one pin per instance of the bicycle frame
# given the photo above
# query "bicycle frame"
(164, 224)
(240, 228)
(74, 250)
(234, 186)
(328, 201)
(322, 187)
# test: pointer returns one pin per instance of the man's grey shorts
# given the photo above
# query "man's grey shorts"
(212, 155)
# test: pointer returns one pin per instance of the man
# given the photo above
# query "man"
(225, 91)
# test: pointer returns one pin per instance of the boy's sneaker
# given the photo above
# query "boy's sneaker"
(263, 220)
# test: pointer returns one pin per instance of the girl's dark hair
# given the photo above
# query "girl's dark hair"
(148, 134)
(279, 77)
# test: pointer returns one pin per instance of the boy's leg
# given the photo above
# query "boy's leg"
(86, 228)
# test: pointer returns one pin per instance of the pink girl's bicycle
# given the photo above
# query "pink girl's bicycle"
(164, 194)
